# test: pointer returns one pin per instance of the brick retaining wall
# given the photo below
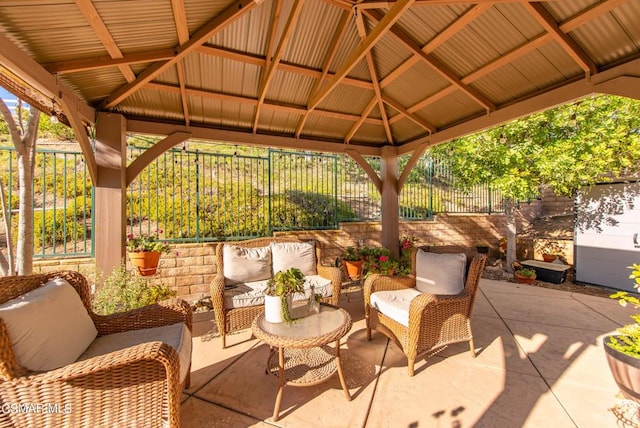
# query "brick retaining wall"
(189, 268)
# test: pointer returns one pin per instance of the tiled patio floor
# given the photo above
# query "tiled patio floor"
(540, 363)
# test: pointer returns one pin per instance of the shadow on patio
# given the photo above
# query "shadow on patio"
(540, 363)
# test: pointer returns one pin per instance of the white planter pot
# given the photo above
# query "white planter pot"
(273, 308)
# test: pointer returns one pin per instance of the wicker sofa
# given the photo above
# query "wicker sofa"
(128, 376)
(243, 269)
(422, 322)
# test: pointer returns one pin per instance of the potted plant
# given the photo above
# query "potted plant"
(623, 350)
(123, 290)
(383, 265)
(352, 260)
(144, 252)
(279, 294)
(525, 276)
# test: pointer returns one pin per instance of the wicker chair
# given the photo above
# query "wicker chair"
(230, 320)
(434, 321)
(137, 386)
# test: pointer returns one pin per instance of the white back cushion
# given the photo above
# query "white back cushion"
(440, 273)
(49, 327)
(301, 255)
(246, 264)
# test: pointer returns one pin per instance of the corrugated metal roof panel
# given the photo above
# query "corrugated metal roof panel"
(320, 126)
(199, 12)
(278, 122)
(347, 99)
(140, 24)
(605, 41)
(232, 77)
(154, 104)
(557, 56)
(628, 15)
(416, 84)
(311, 37)
(504, 85)
(290, 88)
(519, 18)
(451, 109)
(405, 130)
(219, 113)
(537, 69)
(249, 33)
(95, 86)
(425, 21)
(387, 57)
(370, 133)
(563, 10)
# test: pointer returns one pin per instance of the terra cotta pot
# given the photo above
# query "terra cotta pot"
(146, 262)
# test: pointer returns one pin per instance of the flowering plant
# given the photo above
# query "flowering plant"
(383, 265)
(145, 243)
(408, 242)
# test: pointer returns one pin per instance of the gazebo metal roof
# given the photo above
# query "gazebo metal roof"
(319, 74)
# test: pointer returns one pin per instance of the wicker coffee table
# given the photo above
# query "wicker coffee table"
(303, 357)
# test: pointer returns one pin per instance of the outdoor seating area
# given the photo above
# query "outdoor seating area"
(539, 362)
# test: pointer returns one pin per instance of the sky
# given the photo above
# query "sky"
(7, 96)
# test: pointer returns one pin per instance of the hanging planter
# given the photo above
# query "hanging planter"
(146, 262)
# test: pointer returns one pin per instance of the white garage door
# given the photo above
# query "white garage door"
(607, 234)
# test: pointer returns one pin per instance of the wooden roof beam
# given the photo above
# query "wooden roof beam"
(92, 16)
(362, 31)
(331, 54)
(272, 63)
(548, 22)
(270, 105)
(445, 72)
(384, 24)
(73, 66)
(208, 30)
(417, 120)
(182, 29)
(593, 12)
(360, 121)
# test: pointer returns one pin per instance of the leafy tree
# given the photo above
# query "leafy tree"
(24, 141)
(566, 148)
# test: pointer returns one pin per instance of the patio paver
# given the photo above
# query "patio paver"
(540, 363)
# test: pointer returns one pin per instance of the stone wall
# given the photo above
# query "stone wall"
(189, 268)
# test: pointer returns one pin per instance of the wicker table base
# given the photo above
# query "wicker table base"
(301, 356)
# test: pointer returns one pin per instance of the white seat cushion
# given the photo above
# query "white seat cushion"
(176, 335)
(395, 303)
(440, 273)
(246, 264)
(252, 293)
(301, 255)
(49, 327)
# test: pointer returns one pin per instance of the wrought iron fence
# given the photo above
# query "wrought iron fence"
(195, 196)
(62, 203)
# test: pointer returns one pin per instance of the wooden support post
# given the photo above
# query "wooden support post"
(390, 203)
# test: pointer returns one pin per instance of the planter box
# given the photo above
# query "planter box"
(548, 272)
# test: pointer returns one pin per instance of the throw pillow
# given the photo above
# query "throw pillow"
(49, 327)
(301, 255)
(246, 264)
(440, 273)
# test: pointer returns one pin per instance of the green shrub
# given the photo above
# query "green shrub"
(123, 290)
(69, 224)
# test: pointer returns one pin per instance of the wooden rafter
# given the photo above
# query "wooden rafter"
(182, 29)
(272, 63)
(452, 29)
(429, 100)
(215, 25)
(384, 24)
(590, 13)
(362, 31)
(411, 116)
(97, 24)
(331, 53)
(270, 105)
(73, 66)
(153, 152)
(360, 121)
(546, 20)
(435, 64)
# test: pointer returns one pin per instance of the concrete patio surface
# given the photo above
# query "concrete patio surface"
(540, 363)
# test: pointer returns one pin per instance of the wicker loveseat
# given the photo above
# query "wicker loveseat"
(420, 322)
(243, 269)
(137, 381)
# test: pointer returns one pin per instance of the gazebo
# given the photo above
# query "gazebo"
(365, 78)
